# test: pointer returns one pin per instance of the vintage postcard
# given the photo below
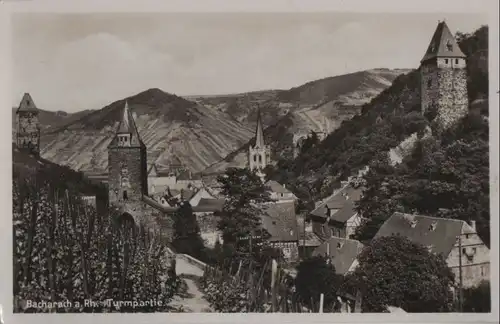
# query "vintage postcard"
(172, 162)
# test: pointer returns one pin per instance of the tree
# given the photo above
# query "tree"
(240, 214)
(187, 237)
(316, 276)
(393, 271)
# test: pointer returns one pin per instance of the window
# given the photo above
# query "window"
(474, 250)
(28, 102)
(456, 61)
(429, 83)
(464, 251)
(255, 158)
(260, 158)
(125, 196)
(446, 61)
(281, 194)
(466, 236)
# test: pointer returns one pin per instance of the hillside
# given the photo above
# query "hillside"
(448, 171)
(301, 110)
(175, 131)
(199, 131)
(52, 119)
(33, 169)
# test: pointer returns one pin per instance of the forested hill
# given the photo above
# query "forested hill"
(447, 175)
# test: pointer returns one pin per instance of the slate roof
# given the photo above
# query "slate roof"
(275, 186)
(280, 221)
(155, 171)
(437, 234)
(311, 239)
(259, 132)
(27, 104)
(342, 251)
(153, 203)
(338, 201)
(209, 205)
(127, 125)
(440, 42)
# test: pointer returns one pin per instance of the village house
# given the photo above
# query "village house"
(278, 191)
(456, 240)
(342, 253)
(159, 179)
(280, 221)
(337, 215)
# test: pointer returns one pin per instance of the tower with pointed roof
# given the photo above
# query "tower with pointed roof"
(444, 79)
(127, 163)
(28, 126)
(259, 154)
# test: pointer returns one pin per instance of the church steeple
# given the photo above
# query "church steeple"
(259, 155)
(259, 132)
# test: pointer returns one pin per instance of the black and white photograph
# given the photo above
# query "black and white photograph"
(252, 162)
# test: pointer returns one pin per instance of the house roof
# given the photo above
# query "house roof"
(27, 104)
(188, 175)
(209, 205)
(443, 44)
(155, 171)
(439, 235)
(127, 125)
(342, 251)
(343, 200)
(311, 239)
(153, 203)
(280, 221)
(275, 186)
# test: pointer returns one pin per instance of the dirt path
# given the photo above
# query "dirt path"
(191, 298)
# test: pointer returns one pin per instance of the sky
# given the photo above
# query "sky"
(73, 62)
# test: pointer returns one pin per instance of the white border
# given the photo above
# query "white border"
(422, 6)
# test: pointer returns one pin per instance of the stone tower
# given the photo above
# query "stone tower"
(259, 155)
(28, 126)
(444, 79)
(127, 164)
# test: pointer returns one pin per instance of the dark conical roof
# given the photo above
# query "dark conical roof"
(27, 104)
(443, 44)
(259, 132)
(127, 126)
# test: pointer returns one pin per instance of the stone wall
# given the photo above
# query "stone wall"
(127, 172)
(444, 91)
(453, 99)
(28, 131)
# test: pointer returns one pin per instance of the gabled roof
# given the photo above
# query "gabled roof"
(308, 239)
(209, 205)
(342, 252)
(443, 44)
(127, 126)
(344, 200)
(156, 205)
(154, 171)
(280, 221)
(439, 235)
(259, 132)
(27, 104)
(275, 186)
